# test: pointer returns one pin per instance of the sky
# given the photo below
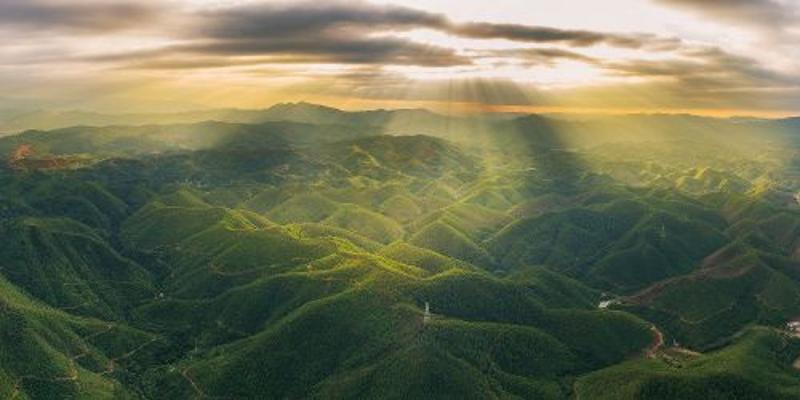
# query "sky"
(709, 57)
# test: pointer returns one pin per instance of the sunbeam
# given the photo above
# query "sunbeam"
(400, 199)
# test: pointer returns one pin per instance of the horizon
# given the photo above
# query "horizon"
(467, 112)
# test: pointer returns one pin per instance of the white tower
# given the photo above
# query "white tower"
(427, 316)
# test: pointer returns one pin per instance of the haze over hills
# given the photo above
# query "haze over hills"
(400, 199)
(14, 122)
(318, 253)
(295, 112)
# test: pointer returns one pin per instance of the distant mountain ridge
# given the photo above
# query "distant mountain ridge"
(590, 130)
(294, 112)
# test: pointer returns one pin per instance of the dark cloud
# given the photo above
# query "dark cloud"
(524, 33)
(331, 49)
(306, 18)
(85, 17)
(346, 33)
(289, 50)
(335, 33)
(361, 33)
(300, 32)
(309, 18)
(540, 34)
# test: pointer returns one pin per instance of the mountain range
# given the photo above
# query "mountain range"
(307, 252)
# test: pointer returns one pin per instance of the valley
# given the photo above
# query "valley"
(292, 253)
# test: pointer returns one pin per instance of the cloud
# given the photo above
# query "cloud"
(265, 21)
(356, 33)
(769, 15)
(297, 32)
(710, 65)
(286, 40)
(333, 33)
(700, 78)
(708, 78)
(82, 17)
(547, 56)
(343, 49)
(307, 18)
(323, 49)
(540, 34)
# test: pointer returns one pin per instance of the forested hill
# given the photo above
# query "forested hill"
(308, 252)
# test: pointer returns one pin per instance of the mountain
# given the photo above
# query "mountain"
(308, 252)
(291, 112)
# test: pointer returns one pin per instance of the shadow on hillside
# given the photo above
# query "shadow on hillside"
(541, 148)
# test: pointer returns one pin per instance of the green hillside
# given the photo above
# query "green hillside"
(303, 208)
(307, 252)
(756, 366)
(67, 265)
(48, 353)
(366, 223)
(443, 238)
(378, 313)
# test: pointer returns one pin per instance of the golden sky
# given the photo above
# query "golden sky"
(696, 56)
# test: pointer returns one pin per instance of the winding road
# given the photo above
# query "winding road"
(656, 344)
